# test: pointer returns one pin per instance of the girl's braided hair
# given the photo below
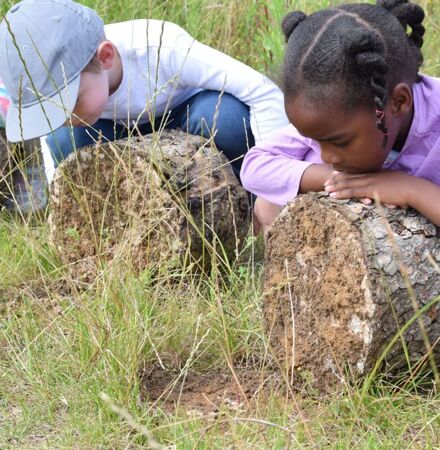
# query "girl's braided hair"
(362, 50)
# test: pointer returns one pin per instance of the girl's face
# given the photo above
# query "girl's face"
(350, 142)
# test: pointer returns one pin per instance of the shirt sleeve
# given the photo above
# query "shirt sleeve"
(200, 66)
(273, 169)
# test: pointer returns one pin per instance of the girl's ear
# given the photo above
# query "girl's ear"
(106, 54)
(401, 100)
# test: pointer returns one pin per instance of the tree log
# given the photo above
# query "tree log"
(340, 281)
(149, 200)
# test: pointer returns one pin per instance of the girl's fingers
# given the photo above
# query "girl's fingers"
(344, 193)
(355, 182)
(342, 179)
(351, 192)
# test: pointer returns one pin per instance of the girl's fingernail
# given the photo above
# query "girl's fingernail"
(327, 182)
(333, 194)
(328, 188)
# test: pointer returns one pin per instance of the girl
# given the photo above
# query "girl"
(364, 123)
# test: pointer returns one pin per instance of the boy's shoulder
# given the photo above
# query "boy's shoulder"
(141, 33)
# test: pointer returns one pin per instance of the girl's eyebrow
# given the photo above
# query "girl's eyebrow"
(334, 137)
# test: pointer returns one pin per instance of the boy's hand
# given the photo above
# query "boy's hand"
(392, 188)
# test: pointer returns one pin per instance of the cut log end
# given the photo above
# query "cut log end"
(146, 201)
(335, 286)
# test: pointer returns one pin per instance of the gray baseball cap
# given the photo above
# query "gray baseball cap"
(44, 46)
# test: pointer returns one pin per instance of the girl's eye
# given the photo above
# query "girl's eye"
(341, 144)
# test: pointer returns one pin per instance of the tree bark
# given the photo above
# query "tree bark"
(340, 281)
(148, 201)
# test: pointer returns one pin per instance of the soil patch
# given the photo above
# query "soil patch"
(207, 393)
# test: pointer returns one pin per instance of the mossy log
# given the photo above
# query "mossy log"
(148, 201)
(340, 280)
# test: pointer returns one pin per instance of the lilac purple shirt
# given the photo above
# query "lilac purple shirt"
(273, 169)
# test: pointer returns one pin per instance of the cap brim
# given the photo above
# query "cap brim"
(43, 117)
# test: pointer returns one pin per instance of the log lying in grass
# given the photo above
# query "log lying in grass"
(146, 201)
(336, 288)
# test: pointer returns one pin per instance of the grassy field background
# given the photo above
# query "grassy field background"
(63, 350)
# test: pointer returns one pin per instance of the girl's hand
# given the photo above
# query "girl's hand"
(369, 201)
(390, 187)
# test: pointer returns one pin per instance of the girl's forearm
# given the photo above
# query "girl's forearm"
(314, 177)
(425, 198)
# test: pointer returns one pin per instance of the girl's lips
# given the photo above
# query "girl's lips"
(339, 169)
(347, 169)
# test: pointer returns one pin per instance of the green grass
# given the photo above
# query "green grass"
(61, 348)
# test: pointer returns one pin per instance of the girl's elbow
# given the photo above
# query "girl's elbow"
(246, 180)
(248, 176)
(254, 171)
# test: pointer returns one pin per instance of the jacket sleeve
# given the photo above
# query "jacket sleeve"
(273, 169)
(203, 67)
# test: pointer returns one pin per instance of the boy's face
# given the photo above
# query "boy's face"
(92, 97)
(350, 142)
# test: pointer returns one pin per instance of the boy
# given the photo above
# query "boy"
(78, 81)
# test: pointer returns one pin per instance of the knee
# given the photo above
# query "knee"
(226, 119)
(234, 118)
(265, 213)
(222, 113)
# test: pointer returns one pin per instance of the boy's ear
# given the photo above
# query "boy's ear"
(106, 54)
(401, 100)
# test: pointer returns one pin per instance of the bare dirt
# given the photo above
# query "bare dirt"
(207, 393)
